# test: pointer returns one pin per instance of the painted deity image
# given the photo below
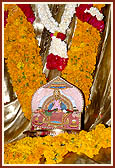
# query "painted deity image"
(58, 107)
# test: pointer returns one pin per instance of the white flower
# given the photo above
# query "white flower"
(58, 47)
(95, 12)
(47, 19)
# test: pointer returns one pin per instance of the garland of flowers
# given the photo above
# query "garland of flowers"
(82, 57)
(21, 53)
(30, 150)
(49, 22)
(58, 48)
(16, 40)
(80, 75)
(27, 10)
(95, 12)
(88, 13)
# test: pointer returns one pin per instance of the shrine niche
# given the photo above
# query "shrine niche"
(58, 104)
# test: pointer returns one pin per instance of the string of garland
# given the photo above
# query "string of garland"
(30, 150)
(21, 54)
(82, 57)
(83, 44)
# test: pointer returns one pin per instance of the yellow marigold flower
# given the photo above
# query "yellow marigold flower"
(20, 64)
(82, 57)
(22, 54)
(24, 151)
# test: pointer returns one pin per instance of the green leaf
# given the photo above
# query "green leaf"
(23, 36)
(87, 76)
(95, 146)
(24, 77)
(55, 158)
(43, 143)
(19, 80)
(27, 84)
(27, 59)
(41, 82)
(24, 157)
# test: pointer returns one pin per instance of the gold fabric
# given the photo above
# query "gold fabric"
(14, 121)
(99, 111)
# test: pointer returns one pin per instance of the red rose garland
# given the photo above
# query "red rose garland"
(55, 61)
(5, 18)
(26, 8)
(87, 17)
(61, 36)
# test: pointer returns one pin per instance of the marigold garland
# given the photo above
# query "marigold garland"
(30, 150)
(22, 57)
(82, 53)
(82, 58)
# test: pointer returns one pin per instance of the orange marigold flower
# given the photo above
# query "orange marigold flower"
(22, 54)
(82, 57)
(99, 6)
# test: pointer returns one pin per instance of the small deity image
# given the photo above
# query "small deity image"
(60, 106)
(57, 103)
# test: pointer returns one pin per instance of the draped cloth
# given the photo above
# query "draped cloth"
(99, 111)
(14, 121)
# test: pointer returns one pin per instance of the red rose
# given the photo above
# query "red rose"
(51, 63)
(56, 62)
(80, 10)
(87, 17)
(62, 62)
(97, 24)
(26, 8)
(61, 36)
(5, 17)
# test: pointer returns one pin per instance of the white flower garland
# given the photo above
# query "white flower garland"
(95, 12)
(58, 47)
(49, 22)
